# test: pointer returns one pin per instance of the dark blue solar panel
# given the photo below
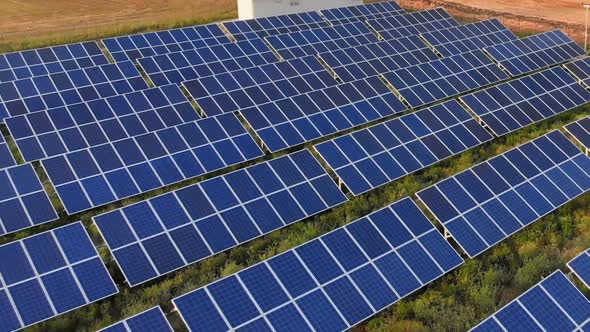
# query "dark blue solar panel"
(49, 274)
(580, 131)
(394, 27)
(580, 69)
(152, 320)
(491, 201)
(580, 265)
(313, 285)
(273, 25)
(166, 233)
(6, 158)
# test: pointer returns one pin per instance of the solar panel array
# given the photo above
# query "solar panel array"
(362, 12)
(331, 283)
(493, 200)
(394, 27)
(372, 157)
(48, 274)
(237, 90)
(518, 103)
(133, 47)
(535, 52)
(468, 37)
(304, 118)
(580, 69)
(580, 265)
(150, 320)
(75, 86)
(40, 135)
(110, 172)
(192, 64)
(44, 61)
(554, 304)
(6, 158)
(580, 131)
(444, 78)
(171, 231)
(23, 200)
(274, 25)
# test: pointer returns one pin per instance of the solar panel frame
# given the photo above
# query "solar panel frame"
(284, 176)
(71, 259)
(56, 59)
(394, 27)
(142, 321)
(532, 184)
(318, 268)
(6, 157)
(580, 132)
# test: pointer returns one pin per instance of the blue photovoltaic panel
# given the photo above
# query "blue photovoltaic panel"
(580, 69)
(580, 265)
(56, 59)
(152, 320)
(516, 104)
(469, 37)
(394, 27)
(6, 158)
(192, 64)
(443, 78)
(241, 89)
(304, 118)
(72, 87)
(110, 172)
(580, 131)
(274, 25)
(49, 274)
(23, 200)
(133, 47)
(372, 157)
(355, 63)
(174, 230)
(554, 304)
(361, 12)
(44, 134)
(491, 201)
(535, 52)
(331, 283)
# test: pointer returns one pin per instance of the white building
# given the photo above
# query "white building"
(249, 9)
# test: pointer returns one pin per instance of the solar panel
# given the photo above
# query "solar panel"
(304, 118)
(189, 65)
(40, 135)
(133, 47)
(372, 157)
(67, 88)
(440, 79)
(362, 12)
(580, 131)
(331, 283)
(554, 304)
(393, 27)
(580, 69)
(516, 104)
(6, 158)
(469, 37)
(23, 201)
(580, 265)
(149, 320)
(56, 59)
(535, 52)
(49, 274)
(236, 90)
(110, 172)
(491, 201)
(274, 25)
(174, 230)
(364, 61)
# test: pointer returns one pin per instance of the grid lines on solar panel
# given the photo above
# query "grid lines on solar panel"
(513, 105)
(554, 304)
(133, 47)
(49, 274)
(44, 134)
(274, 25)
(56, 59)
(394, 27)
(580, 69)
(175, 68)
(489, 202)
(150, 320)
(6, 158)
(364, 61)
(469, 37)
(311, 42)
(236, 90)
(331, 283)
(362, 12)
(109, 172)
(304, 118)
(23, 200)
(535, 52)
(71, 87)
(580, 266)
(372, 157)
(174, 230)
(580, 131)
(440, 79)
